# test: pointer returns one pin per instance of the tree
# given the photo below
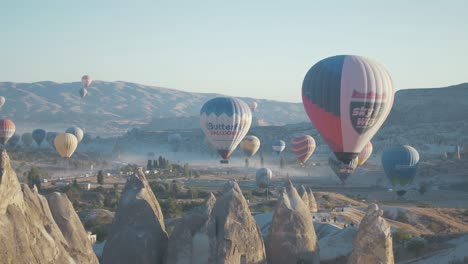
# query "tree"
(186, 170)
(282, 162)
(262, 160)
(34, 177)
(161, 162)
(149, 165)
(247, 163)
(155, 164)
(422, 188)
(100, 177)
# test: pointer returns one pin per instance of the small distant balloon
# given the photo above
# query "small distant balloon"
(83, 92)
(7, 130)
(50, 137)
(2, 101)
(400, 165)
(263, 177)
(66, 144)
(303, 147)
(250, 145)
(86, 81)
(253, 106)
(278, 146)
(38, 135)
(27, 139)
(78, 132)
(14, 140)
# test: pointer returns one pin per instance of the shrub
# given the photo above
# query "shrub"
(402, 235)
(415, 246)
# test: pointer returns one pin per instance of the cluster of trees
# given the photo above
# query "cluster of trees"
(34, 177)
(160, 163)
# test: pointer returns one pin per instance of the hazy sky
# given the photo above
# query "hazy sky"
(244, 48)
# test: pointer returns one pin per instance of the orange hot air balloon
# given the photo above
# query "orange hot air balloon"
(7, 130)
(86, 81)
(66, 144)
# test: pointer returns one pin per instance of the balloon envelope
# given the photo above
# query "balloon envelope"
(2, 101)
(14, 140)
(27, 139)
(225, 122)
(253, 106)
(365, 154)
(86, 81)
(250, 145)
(342, 170)
(38, 135)
(263, 177)
(78, 132)
(50, 137)
(400, 164)
(7, 130)
(278, 146)
(347, 98)
(66, 144)
(303, 147)
(83, 92)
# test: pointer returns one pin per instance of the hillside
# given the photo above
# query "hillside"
(112, 107)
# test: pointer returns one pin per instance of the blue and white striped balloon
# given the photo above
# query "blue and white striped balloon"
(225, 122)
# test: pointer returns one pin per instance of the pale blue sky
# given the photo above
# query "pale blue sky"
(243, 48)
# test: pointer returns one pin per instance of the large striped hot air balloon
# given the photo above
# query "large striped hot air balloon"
(7, 130)
(250, 145)
(38, 135)
(347, 98)
(263, 177)
(365, 154)
(342, 171)
(400, 165)
(66, 144)
(225, 122)
(78, 132)
(278, 146)
(303, 147)
(86, 81)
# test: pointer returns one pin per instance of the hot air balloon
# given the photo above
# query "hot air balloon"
(78, 132)
(2, 101)
(27, 139)
(263, 177)
(13, 141)
(250, 145)
(7, 130)
(225, 122)
(278, 146)
(83, 92)
(347, 98)
(50, 138)
(86, 81)
(175, 140)
(303, 147)
(38, 135)
(341, 170)
(253, 106)
(66, 144)
(400, 165)
(365, 154)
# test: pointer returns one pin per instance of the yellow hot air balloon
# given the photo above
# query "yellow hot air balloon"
(66, 144)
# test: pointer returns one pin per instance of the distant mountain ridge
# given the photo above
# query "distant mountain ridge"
(112, 107)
